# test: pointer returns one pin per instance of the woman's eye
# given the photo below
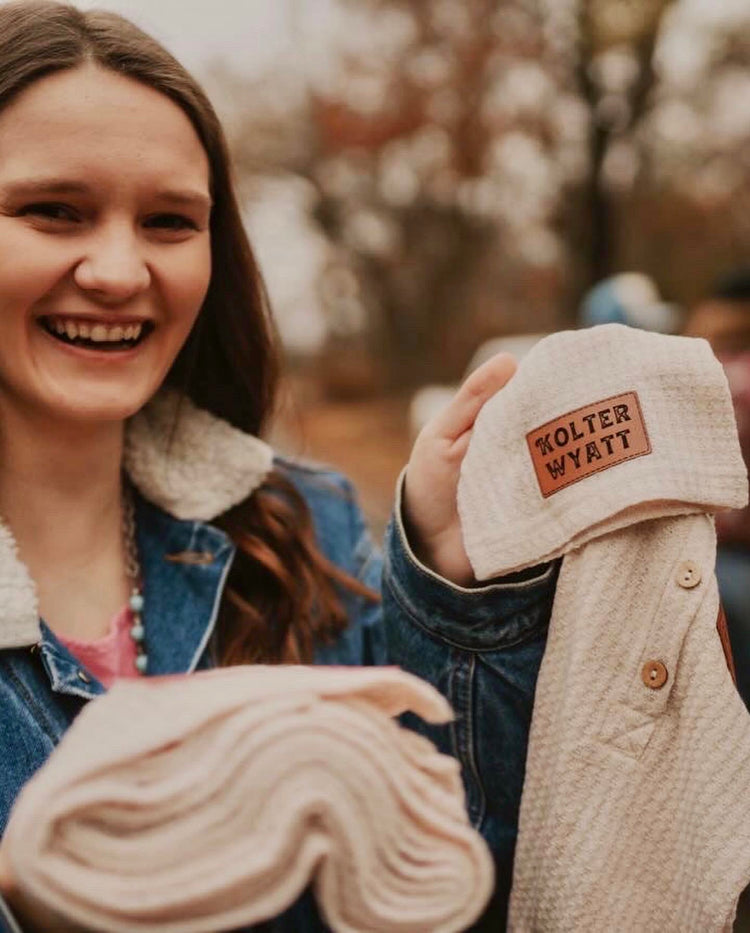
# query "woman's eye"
(171, 222)
(50, 210)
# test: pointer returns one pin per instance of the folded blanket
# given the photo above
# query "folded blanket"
(609, 446)
(209, 802)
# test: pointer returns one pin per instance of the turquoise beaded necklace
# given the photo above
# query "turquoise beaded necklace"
(133, 571)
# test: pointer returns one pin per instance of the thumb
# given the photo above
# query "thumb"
(460, 414)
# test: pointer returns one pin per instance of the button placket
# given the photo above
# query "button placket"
(654, 672)
(681, 550)
(657, 671)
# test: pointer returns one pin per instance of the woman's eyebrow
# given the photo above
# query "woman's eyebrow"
(33, 187)
(188, 198)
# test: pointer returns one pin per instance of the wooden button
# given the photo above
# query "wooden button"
(688, 574)
(654, 675)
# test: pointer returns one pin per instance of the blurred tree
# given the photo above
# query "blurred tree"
(476, 164)
(684, 215)
(445, 146)
(480, 141)
(616, 74)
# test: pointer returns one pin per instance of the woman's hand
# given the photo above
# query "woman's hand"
(430, 509)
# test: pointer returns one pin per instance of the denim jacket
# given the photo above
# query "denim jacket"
(480, 647)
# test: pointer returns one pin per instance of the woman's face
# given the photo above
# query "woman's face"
(105, 253)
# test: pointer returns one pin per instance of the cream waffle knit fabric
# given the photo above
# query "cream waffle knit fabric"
(208, 802)
(636, 804)
(695, 464)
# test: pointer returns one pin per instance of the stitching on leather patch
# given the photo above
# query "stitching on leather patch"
(588, 440)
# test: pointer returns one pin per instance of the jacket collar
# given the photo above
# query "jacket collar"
(185, 565)
(189, 463)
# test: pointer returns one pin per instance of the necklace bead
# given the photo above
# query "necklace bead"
(133, 570)
(136, 602)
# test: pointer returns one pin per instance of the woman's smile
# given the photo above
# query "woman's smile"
(97, 336)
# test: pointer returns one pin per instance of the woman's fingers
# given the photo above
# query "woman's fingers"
(430, 509)
(460, 414)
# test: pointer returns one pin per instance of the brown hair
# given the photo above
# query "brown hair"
(282, 594)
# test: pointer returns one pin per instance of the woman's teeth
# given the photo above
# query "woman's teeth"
(99, 333)
(85, 333)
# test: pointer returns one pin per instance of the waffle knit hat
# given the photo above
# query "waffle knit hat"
(609, 446)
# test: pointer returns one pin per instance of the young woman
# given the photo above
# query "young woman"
(143, 532)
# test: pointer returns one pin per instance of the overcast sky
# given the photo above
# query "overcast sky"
(251, 35)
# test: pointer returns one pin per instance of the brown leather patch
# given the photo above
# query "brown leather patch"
(588, 440)
(721, 627)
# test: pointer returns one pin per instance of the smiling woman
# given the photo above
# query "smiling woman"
(104, 248)
(146, 529)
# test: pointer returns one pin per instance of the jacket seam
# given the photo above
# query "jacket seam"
(366, 564)
(32, 704)
(322, 477)
(354, 531)
(207, 635)
(461, 693)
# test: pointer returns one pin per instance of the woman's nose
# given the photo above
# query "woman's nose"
(113, 267)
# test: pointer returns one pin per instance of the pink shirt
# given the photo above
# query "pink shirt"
(111, 656)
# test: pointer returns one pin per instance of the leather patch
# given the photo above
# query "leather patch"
(588, 440)
(721, 627)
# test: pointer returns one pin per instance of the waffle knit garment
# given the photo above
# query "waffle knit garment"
(636, 803)
(209, 802)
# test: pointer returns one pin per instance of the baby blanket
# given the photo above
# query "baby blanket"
(209, 802)
(613, 446)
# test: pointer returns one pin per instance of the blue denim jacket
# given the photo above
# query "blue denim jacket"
(480, 647)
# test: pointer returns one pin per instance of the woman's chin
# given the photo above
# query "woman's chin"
(104, 407)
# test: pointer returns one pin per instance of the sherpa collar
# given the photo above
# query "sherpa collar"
(186, 461)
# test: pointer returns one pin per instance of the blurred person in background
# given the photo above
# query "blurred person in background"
(723, 318)
(629, 298)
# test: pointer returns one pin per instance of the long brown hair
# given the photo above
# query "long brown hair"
(282, 595)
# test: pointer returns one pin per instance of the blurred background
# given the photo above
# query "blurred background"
(421, 176)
